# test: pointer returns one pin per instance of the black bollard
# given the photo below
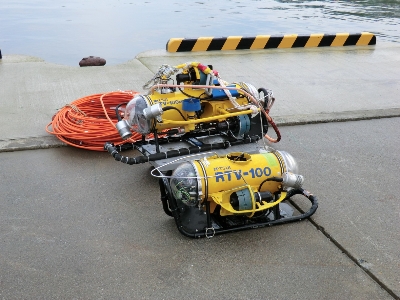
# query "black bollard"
(92, 61)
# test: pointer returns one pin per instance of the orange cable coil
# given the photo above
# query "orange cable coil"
(85, 123)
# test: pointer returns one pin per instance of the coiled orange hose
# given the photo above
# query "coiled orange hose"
(86, 122)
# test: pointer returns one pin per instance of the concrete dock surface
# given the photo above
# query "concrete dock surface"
(310, 85)
(75, 224)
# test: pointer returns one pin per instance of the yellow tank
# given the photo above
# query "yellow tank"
(162, 110)
(239, 182)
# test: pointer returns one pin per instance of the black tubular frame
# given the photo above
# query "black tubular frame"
(114, 150)
(171, 209)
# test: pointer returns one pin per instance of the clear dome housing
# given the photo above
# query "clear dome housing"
(135, 117)
(184, 184)
(290, 162)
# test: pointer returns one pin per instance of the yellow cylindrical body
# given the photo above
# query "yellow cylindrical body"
(225, 173)
(220, 177)
(215, 110)
(239, 183)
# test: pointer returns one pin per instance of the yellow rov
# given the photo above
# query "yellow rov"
(222, 180)
(220, 194)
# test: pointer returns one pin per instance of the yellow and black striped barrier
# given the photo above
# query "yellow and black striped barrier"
(268, 41)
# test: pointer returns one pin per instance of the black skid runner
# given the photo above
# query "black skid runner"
(197, 223)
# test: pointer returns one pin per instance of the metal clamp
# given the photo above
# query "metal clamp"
(213, 232)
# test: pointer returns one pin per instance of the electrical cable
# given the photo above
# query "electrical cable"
(187, 95)
(117, 111)
(174, 108)
(85, 123)
(276, 179)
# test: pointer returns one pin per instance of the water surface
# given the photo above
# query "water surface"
(64, 31)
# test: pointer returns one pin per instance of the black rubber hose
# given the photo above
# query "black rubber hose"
(277, 179)
(174, 108)
(164, 198)
(313, 199)
(118, 157)
(265, 92)
(162, 155)
(117, 111)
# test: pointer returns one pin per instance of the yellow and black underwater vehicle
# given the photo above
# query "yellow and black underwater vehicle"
(205, 138)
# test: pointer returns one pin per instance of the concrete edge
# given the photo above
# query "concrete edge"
(46, 142)
(22, 58)
(30, 143)
(343, 116)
